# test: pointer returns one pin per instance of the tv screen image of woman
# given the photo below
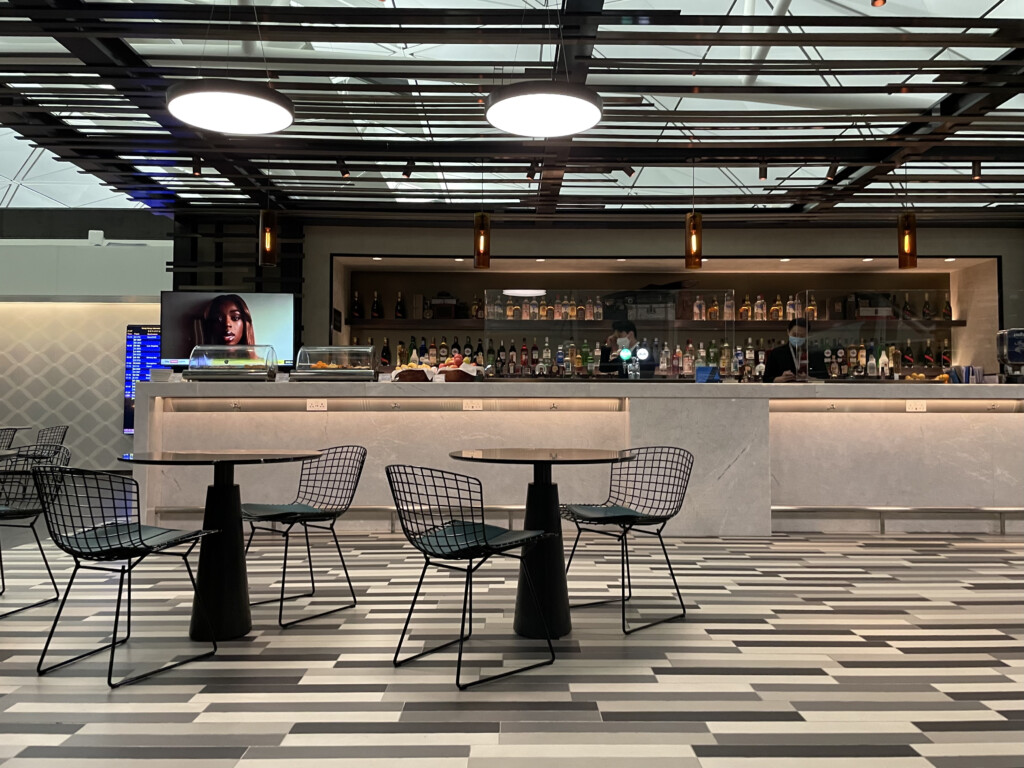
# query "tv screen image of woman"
(228, 321)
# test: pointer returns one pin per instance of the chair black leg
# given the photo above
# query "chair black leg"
(408, 619)
(547, 636)
(575, 543)
(49, 572)
(630, 630)
(344, 567)
(604, 600)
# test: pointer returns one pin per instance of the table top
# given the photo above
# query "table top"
(15, 427)
(542, 455)
(7, 453)
(217, 457)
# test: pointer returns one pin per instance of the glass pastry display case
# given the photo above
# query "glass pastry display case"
(335, 364)
(232, 363)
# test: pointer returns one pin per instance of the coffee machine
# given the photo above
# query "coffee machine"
(1010, 353)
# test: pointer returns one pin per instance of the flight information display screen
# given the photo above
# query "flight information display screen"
(141, 355)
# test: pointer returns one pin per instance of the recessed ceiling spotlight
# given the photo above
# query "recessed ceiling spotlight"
(460, 259)
(407, 171)
(378, 258)
(950, 259)
(877, 3)
(833, 169)
(976, 170)
(762, 171)
(629, 171)
(868, 259)
(539, 260)
(620, 259)
(784, 260)
(343, 168)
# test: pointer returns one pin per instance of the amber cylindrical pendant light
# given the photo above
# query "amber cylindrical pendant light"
(907, 248)
(694, 246)
(269, 246)
(481, 241)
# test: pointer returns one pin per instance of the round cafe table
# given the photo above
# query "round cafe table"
(545, 561)
(221, 581)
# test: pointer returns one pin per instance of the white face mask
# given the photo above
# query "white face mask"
(797, 341)
(623, 342)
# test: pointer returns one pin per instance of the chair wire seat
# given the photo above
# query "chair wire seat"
(643, 495)
(327, 485)
(94, 517)
(36, 455)
(442, 516)
(20, 508)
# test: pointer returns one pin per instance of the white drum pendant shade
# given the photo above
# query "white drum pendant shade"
(230, 106)
(543, 109)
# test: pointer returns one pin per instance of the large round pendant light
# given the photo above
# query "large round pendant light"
(542, 109)
(230, 106)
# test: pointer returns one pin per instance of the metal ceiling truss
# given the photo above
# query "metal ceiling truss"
(99, 104)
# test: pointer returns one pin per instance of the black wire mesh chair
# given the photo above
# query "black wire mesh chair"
(52, 435)
(442, 515)
(38, 454)
(7, 437)
(20, 508)
(94, 517)
(644, 494)
(326, 488)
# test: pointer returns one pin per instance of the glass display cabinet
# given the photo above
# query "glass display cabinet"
(232, 363)
(335, 364)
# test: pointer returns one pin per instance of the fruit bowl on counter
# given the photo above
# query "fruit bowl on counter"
(413, 373)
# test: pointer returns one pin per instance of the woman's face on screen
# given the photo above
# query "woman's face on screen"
(228, 324)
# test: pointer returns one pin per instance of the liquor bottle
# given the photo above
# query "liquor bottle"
(455, 347)
(929, 356)
(947, 309)
(927, 313)
(560, 358)
(424, 355)
(369, 342)
(514, 360)
(746, 309)
(908, 355)
(385, 354)
(502, 357)
(534, 353)
(663, 361)
(811, 311)
(689, 362)
(908, 311)
(749, 356)
(570, 311)
(842, 361)
(524, 355)
(581, 311)
(725, 359)
(356, 312)
(588, 309)
(481, 308)
(702, 355)
(587, 358)
(524, 312)
(830, 361)
(699, 310)
(474, 307)
(577, 362)
(947, 357)
(713, 353)
(545, 356)
(714, 311)
(556, 313)
(414, 357)
(570, 356)
(798, 306)
(790, 308)
(884, 369)
(491, 356)
(400, 356)
(729, 309)
(565, 307)
(760, 308)
(412, 346)
(432, 353)
(442, 351)
(851, 358)
(467, 350)
(895, 360)
(777, 311)
(871, 369)
(595, 358)
(542, 310)
(400, 310)
(509, 310)
(534, 309)
(677, 362)
(598, 309)
(862, 358)
(376, 307)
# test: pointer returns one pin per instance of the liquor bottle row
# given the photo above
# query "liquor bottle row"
(849, 308)
(882, 360)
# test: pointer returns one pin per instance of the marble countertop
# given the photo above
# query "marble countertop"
(603, 389)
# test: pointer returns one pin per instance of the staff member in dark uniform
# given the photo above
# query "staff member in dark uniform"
(792, 361)
(623, 336)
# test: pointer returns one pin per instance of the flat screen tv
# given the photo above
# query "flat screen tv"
(141, 355)
(190, 318)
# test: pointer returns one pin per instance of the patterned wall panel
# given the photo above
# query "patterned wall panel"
(63, 363)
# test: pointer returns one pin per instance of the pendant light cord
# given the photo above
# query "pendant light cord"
(259, 35)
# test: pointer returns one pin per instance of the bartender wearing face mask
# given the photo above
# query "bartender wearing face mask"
(792, 361)
(623, 336)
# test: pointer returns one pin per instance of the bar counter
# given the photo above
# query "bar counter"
(822, 456)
